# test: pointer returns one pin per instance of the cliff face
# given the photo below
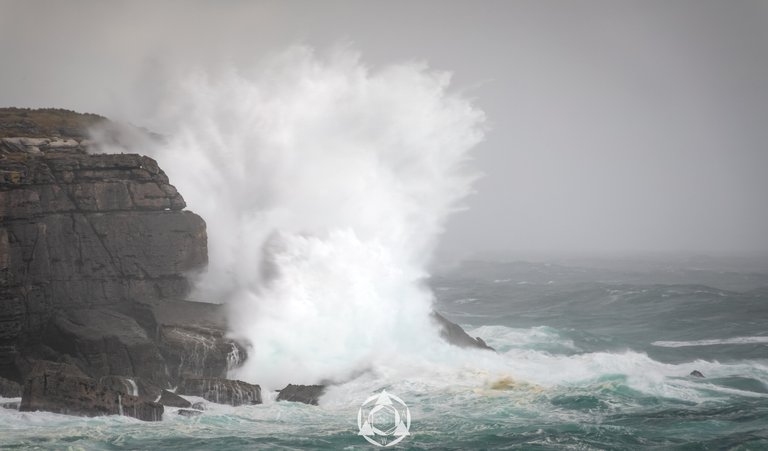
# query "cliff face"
(91, 246)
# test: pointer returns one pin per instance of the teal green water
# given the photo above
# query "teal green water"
(586, 360)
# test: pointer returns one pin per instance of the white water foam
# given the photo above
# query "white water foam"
(325, 185)
(712, 342)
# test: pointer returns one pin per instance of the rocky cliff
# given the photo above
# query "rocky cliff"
(95, 251)
(95, 255)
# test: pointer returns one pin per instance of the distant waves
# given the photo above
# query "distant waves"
(711, 342)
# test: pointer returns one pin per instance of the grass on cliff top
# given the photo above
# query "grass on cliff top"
(46, 122)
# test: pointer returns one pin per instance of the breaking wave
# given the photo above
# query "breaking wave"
(325, 185)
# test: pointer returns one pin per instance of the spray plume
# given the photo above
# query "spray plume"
(324, 185)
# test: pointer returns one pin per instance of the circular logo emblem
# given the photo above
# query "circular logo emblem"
(384, 419)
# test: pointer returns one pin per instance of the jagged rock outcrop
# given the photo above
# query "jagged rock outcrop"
(64, 389)
(171, 399)
(308, 394)
(455, 335)
(222, 391)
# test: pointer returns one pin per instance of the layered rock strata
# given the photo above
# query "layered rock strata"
(95, 254)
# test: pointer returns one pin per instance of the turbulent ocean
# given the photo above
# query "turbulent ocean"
(588, 357)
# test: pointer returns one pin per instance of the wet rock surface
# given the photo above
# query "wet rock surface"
(222, 391)
(62, 388)
(9, 389)
(308, 394)
(95, 251)
(196, 352)
(171, 399)
(455, 335)
(83, 237)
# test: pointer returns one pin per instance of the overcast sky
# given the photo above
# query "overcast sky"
(614, 125)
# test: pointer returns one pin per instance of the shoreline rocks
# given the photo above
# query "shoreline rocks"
(171, 399)
(308, 394)
(61, 388)
(222, 391)
(455, 335)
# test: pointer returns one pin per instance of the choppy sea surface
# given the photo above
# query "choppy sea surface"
(588, 358)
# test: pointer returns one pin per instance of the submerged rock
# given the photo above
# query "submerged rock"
(222, 391)
(189, 413)
(696, 373)
(455, 335)
(308, 394)
(61, 388)
(199, 406)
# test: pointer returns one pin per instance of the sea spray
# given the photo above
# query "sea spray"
(325, 185)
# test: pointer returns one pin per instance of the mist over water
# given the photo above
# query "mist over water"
(325, 185)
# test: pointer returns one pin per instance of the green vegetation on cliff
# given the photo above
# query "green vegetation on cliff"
(46, 122)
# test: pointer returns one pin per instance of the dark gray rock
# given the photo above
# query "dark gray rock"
(222, 391)
(106, 342)
(308, 394)
(189, 413)
(90, 247)
(696, 373)
(9, 389)
(199, 406)
(134, 386)
(94, 256)
(171, 399)
(455, 335)
(197, 352)
(61, 388)
(144, 390)
(192, 339)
